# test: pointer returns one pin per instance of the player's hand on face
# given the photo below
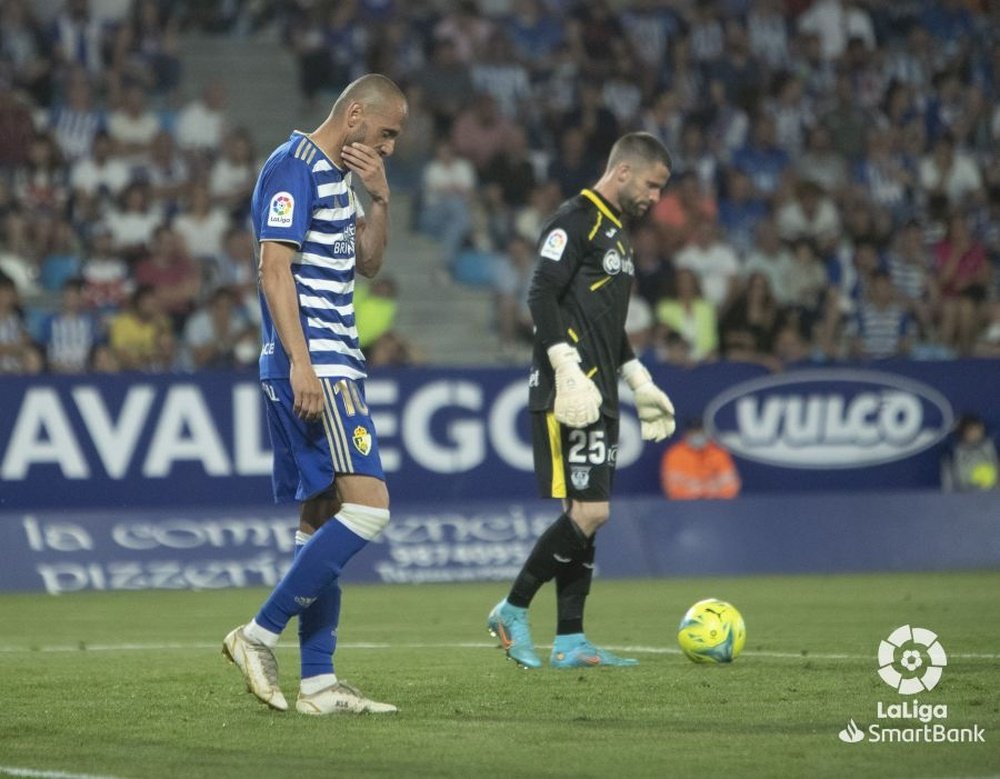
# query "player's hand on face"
(308, 393)
(369, 167)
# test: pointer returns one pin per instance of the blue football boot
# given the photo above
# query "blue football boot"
(510, 625)
(575, 651)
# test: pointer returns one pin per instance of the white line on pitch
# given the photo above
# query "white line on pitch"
(653, 650)
(9, 770)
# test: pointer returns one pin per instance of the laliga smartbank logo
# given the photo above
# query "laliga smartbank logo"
(911, 661)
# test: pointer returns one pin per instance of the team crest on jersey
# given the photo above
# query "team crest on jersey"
(555, 245)
(612, 262)
(362, 440)
(580, 477)
(281, 210)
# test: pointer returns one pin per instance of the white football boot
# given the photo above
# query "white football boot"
(340, 698)
(259, 667)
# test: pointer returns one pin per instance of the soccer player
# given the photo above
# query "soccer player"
(579, 300)
(312, 236)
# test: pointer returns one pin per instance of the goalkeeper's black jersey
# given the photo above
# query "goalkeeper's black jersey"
(579, 294)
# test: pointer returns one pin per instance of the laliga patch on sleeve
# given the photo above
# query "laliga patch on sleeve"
(555, 244)
(281, 210)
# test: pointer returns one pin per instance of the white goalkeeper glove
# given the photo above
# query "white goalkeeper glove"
(578, 401)
(656, 412)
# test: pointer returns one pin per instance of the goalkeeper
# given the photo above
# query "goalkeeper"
(579, 300)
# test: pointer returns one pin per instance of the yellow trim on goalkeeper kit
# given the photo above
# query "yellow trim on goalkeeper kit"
(598, 284)
(597, 225)
(601, 207)
(555, 447)
(572, 334)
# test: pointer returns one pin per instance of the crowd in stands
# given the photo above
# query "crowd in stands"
(836, 183)
(124, 234)
(835, 192)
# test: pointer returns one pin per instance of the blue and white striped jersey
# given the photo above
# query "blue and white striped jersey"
(302, 198)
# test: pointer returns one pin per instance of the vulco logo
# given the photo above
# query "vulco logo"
(829, 419)
(910, 660)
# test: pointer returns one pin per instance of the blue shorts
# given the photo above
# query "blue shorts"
(308, 456)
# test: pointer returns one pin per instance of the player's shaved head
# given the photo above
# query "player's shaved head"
(640, 150)
(372, 91)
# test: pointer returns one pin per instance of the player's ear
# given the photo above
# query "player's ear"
(623, 172)
(355, 110)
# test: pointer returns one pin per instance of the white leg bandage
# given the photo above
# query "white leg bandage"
(366, 521)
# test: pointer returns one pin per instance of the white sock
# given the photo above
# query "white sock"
(313, 684)
(256, 633)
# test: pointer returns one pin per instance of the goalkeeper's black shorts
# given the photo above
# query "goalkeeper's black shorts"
(574, 463)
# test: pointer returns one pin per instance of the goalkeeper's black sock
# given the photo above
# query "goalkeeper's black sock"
(561, 544)
(572, 588)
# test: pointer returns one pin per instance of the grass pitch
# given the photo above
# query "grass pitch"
(133, 685)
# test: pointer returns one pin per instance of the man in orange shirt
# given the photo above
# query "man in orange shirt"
(696, 467)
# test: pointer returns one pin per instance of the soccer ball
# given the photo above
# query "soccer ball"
(712, 631)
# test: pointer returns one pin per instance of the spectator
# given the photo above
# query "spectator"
(78, 39)
(236, 267)
(173, 275)
(639, 322)
(728, 125)
(467, 30)
(598, 123)
(166, 171)
(836, 22)
(75, 122)
(771, 257)
(16, 129)
(884, 174)
(698, 468)
(680, 210)
(70, 334)
(715, 263)
(951, 173)
(881, 328)
(971, 463)
(375, 309)
(146, 47)
(18, 254)
(202, 225)
(498, 74)
(820, 163)
(762, 159)
(846, 120)
(446, 84)
(141, 336)
(234, 173)
(41, 185)
(988, 343)
(62, 258)
(201, 123)
(100, 176)
(962, 275)
(480, 131)
(105, 275)
(573, 169)
(15, 343)
(767, 34)
(689, 315)
(134, 223)
(511, 169)
(218, 335)
(748, 328)
(664, 119)
(810, 215)
(447, 198)
(740, 212)
(909, 265)
(133, 125)
(654, 272)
